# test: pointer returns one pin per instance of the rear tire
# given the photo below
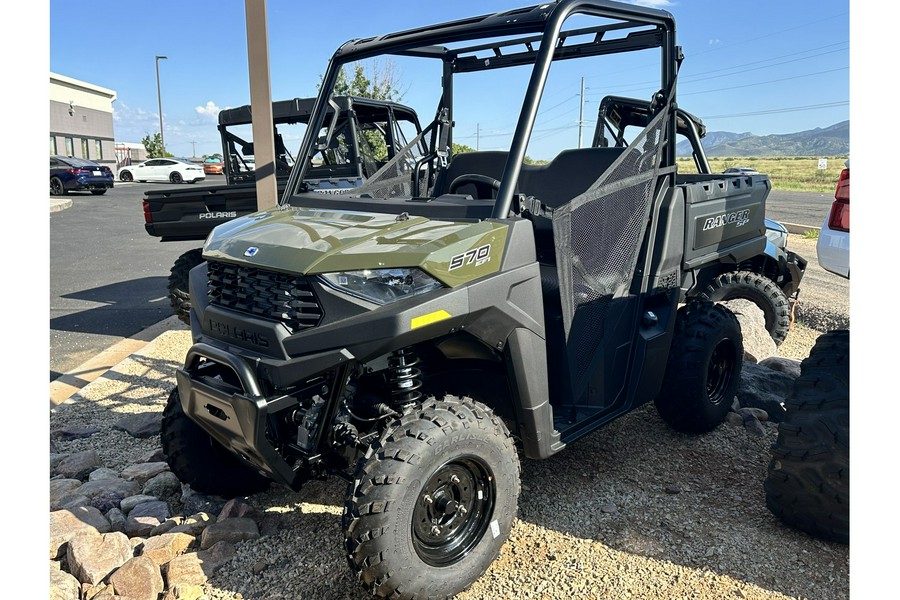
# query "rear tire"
(433, 501)
(808, 483)
(176, 177)
(704, 368)
(200, 461)
(56, 187)
(760, 290)
(179, 288)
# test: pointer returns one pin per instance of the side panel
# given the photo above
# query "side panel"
(725, 218)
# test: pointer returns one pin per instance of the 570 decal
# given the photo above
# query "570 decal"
(478, 256)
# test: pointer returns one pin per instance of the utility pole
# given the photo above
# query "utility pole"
(193, 149)
(261, 104)
(581, 113)
(162, 139)
(477, 135)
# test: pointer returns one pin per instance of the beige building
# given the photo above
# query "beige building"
(81, 120)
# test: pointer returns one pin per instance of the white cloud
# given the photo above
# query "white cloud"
(715, 42)
(210, 110)
(124, 113)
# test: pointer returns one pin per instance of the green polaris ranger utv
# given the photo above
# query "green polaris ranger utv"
(419, 333)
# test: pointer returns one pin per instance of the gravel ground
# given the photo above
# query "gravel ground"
(634, 510)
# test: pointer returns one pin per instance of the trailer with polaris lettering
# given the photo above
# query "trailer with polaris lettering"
(416, 334)
(364, 135)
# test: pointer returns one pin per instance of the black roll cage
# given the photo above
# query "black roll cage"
(616, 113)
(299, 110)
(542, 43)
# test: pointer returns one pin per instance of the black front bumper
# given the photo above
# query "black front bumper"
(238, 417)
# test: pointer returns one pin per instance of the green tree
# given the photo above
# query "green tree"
(380, 81)
(153, 146)
(460, 148)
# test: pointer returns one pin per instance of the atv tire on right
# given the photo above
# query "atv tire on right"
(808, 484)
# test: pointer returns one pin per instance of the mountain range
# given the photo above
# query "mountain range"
(821, 141)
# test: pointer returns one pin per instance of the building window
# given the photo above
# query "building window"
(98, 150)
(84, 148)
(70, 147)
(52, 144)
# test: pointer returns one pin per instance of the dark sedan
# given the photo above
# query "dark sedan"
(69, 174)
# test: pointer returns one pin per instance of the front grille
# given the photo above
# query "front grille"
(281, 297)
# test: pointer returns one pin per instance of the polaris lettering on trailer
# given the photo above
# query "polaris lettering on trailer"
(738, 219)
(478, 256)
(229, 214)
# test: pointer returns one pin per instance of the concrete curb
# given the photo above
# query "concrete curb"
(57, 205)
(800, 229)
(67, 385)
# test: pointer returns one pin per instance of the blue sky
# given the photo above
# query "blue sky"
(763, 66)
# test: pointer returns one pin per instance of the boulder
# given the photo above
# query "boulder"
(138, 579)
(92, 556)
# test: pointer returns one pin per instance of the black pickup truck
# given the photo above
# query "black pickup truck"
(366, 134)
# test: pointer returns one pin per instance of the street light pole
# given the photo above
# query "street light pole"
(162, 139)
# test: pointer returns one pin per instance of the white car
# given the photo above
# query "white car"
(833, 246)
(173, 170)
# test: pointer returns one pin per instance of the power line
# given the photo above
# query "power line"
(693, 79)
(743, 66)
(736, 87)
(776, 111)
(734, 70)
(765, 60)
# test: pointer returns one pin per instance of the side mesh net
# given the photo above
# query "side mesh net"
(598, 236)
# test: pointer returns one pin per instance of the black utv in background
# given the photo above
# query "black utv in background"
(417, 334)
(365, 134)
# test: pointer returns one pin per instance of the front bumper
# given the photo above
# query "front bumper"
(236, 416)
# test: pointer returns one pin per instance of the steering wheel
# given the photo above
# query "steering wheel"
(472, 178)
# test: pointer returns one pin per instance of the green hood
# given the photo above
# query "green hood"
(308, 241)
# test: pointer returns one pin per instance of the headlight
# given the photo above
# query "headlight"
(382, 286)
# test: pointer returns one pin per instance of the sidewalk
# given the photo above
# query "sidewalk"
(105, 364)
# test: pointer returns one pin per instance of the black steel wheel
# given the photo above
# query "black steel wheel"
(56, 187)
(720, 373)
(808, 481)
(433, 500)
(125, 176)
(200, 461)
(704, 368)
(178, 283)
(452, 511)
(760, 290)
(176, 177)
